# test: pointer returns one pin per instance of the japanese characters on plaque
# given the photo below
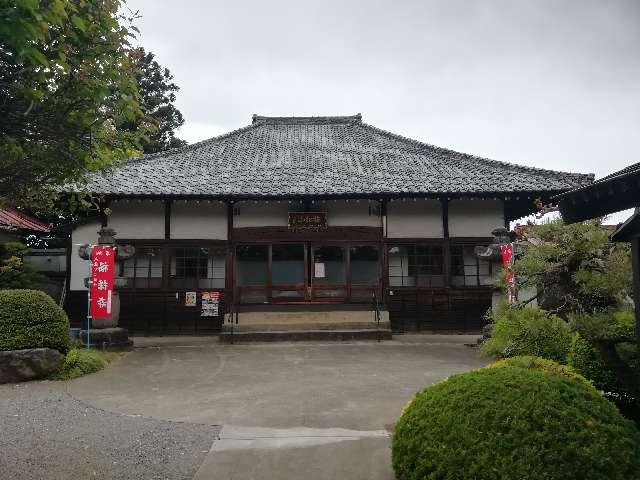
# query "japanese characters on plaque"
(210, 304)
(102, 273)
(301, 221)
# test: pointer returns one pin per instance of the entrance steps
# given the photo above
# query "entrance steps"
(306, 324)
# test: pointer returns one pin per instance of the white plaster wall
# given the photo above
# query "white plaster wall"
(343, 214)
(135, 219)
(475, 218)
(419, 219)
(262, 214)
(191, 220)
(85, 233)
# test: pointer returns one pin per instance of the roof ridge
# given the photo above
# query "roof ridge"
(586, 176)
(317, 120)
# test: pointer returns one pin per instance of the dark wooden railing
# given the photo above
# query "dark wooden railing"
(376, 311)
(233, 315)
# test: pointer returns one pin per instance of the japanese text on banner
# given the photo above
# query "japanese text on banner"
(507, 260)
(102, 273)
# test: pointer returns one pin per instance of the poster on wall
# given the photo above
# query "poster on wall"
(319, 270)
(210, 304)
(190, 299)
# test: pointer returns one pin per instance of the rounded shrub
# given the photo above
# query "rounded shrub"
(514, 423)
(538, 363)
(528, 331)
(31, 319)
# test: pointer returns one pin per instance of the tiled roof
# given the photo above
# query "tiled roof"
(323, 156)
(631, 170)
(613, 193)
(12, 219)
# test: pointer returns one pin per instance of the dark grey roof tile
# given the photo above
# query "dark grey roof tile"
(327, 156)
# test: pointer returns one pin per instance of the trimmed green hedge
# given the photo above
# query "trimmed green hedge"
(528, 331)
(514, 423)
(31, 319)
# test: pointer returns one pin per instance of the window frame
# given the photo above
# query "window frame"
(412, 264)
(476, 275)
(166, 249)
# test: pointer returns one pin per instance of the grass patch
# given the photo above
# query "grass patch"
(80, 361)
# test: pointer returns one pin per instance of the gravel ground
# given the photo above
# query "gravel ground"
(47, 434)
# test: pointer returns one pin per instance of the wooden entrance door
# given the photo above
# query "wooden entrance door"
(328, 269)
(310, 273)
(307, 272)
(289, 273)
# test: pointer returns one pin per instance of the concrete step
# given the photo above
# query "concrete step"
(289, 326)
(303, 335)
(310, 317)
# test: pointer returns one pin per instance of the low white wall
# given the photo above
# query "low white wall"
(262, 214)
(419, 219)
(134, 219)
(191, 220)
(85, 233)
(344, 214)
(475, 218)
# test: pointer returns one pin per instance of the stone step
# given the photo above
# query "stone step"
(290, 326)
(310, 317)
(304, 335)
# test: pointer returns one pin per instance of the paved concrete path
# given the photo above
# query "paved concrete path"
(318, 411)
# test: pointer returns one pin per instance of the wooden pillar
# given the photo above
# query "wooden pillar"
(167, 219)
(446, 247)
(230, 260)
(384, 257)
(635, 262)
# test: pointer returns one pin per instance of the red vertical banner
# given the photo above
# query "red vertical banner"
(102, 273)
(507, 261)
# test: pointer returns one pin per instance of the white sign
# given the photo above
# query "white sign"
(210, 304)
(319, 270)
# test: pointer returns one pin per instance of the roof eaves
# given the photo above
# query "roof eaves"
(627, 172)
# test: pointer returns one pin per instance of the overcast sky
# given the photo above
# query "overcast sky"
(546, 83)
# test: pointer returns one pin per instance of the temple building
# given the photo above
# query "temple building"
(311, 215)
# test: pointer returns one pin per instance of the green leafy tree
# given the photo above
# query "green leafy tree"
(14, 271)
(580, 274)
(66, 82)
(575, 268)
(157, 96)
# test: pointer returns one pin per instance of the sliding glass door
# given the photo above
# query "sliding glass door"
(306, 272)
(288, 273)
(328, 273)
